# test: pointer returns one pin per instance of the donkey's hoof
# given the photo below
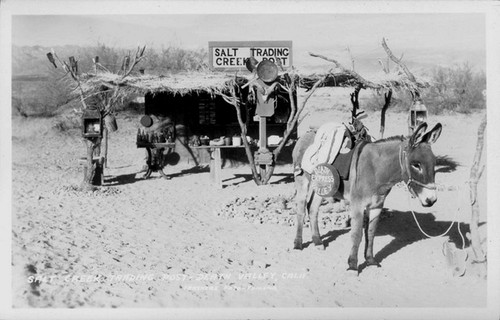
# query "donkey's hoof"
(320, 247)
(352, 271)
(372, 262)
(297, 245)
(317, 242)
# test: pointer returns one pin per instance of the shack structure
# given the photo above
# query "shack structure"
(223, 101)
(195, 102)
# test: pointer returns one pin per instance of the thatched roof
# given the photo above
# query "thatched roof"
(393, 81)
(184, 83)
(216, 83)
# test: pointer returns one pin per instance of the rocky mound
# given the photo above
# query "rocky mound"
(281, 209)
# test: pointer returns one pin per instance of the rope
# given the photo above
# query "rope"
(460, 233)
(455, 219)
(402, 155)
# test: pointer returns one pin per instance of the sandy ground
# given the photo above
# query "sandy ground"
(162, 243)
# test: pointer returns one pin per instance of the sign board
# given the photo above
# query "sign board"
(263, 157)
(232, 55)
(325, 180)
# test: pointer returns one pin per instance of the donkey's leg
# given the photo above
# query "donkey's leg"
(370, 229)
(313, 220)
(301, 205)
(356, 234)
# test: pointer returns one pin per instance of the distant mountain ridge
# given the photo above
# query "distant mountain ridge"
(32, 61)
(419, 61)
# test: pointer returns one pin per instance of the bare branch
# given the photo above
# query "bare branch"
(139, 54)
(480, 173)
(385, 67)
(410, 76)
(291, 121)
(352, 58)
(355, 104)
(74, 65)
(475, 174)
(362, 81)
(74, 76)
(295, 112)
(387, 97)
(306, 98)
(291, 88)
(102, 67)
(233, 100)
(302, 118)
(125, 63)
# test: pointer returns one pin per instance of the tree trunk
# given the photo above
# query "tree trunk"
(243, 127)
(89, 173)
(475, 175)
(382, 114)
(382, 122)
(248, 150)
(104, 150)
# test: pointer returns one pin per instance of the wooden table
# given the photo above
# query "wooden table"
(155, 156)
(216, 162)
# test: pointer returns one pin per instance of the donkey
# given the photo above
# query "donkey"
(375, 168)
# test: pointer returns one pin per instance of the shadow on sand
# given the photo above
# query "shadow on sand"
(402, 227)
(121, 179)
(196, 169)
(138, 176)
(283, 178)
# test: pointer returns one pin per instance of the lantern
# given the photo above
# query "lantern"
(91, 124)
(418, 115)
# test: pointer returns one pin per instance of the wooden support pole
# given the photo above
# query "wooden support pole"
(386, 105)
(87, 183)
(475, 175)
(216, 167)
(104, 156)
(262, 133)
(263, 145)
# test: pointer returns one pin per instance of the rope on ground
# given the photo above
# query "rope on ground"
(455, 219)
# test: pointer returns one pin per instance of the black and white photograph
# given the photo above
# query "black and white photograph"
(250, 159)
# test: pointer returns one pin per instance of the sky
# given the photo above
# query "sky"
(426, 38)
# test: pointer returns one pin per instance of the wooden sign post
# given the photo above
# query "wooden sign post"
(265, 108)
(263, 59)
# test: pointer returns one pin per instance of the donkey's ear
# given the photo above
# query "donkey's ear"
(416, 137)
(431, 136)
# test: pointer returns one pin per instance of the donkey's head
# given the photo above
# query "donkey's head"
(418, 163)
